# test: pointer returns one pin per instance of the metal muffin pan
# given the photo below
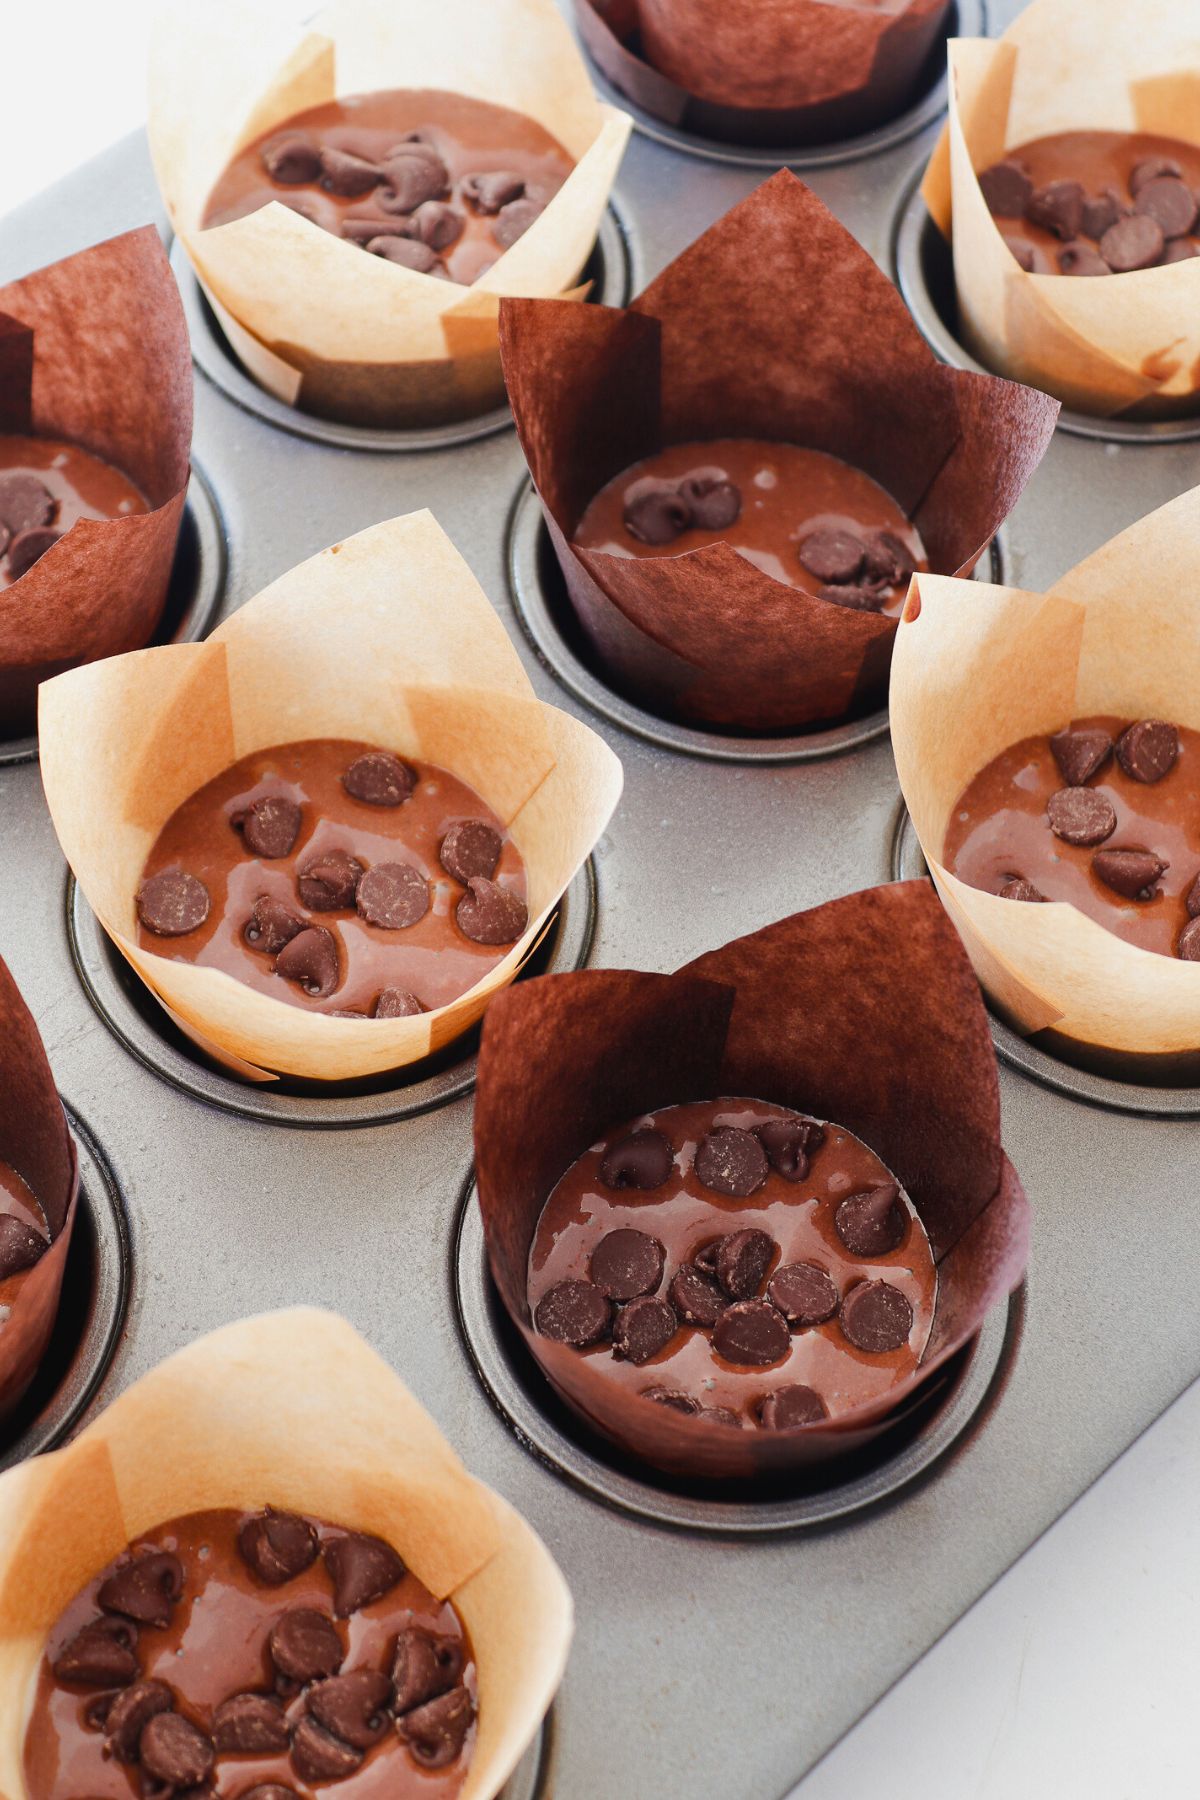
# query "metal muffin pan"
(707, 1662)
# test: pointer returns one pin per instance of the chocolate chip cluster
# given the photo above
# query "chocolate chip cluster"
(28, 511)
(20, 1247)
(719, 1291)
(657, 511)
(861, 570)
(1102, 234)
(322, 1717)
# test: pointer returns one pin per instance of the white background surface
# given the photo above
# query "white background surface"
(1076, 1677)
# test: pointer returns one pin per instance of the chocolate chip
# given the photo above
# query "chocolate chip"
(495, 188)
(305, 1645)
(1132, 243)
(1131, 873)
(1180, 250)
(319, 1756)
(695, 1296)
(752, 1332)
(1170, 203)
(145, 1589)
(1192, 899)
(855, 595)
(270, 825)
(396, 1003)
(410, 253)
(705, 1258)
(1149, 169)
(20, 1245)
(654, 511)
(435, 1733)
(353, 1706)
(101, 1655)
(743, 1259)
(271, 925)
(876, 1317)
(329, 881)
(25, 502)
(1017, 888)
(278, 1546)
(715, 501)
(1081, 815)
(873, 1222)
(422, 1666)
(804, 1293)
(28, 548)
(1100, 212)
(174, 1750)
(1078, 258)
(514, 220)
(731, 1161)
(364, 1568)
(790, 1145)
(1080, 754)
(412, 175)
(671, 1397)
(361, 231)
(437, 224)
(833, 555)
(1187, 945)
(627, 1263)
(643, 1328)
(888, 560)
(292, 160)
(311, 959)
(347, 175)
(249, 1722)
(1023, 251)
(470, 847)
(573, 1312)
(392, 896)
(129, 1713)
(720, 1415)
(1058, 207)
(172, 904)
(490, 914)
(378, 778)
(1006, 189)
(1148, 750)
(644, 1159)
(791, 1406)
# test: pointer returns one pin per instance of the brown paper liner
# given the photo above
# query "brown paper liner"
(785, 72)
(1129, 345)
(386, 638)
(757, 331)
(292, 1409)
(317, 323)
(94, 349)
(35, 1141)
(978, 669)
(863, 1011)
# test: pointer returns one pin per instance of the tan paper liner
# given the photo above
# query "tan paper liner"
(35, 1141)
(94, 349)
(980, 668)
(316, 322)
(863, 1011)
(762, 71)
(757, 330)
(386, 638)
(292, 1409)
(1125, 345)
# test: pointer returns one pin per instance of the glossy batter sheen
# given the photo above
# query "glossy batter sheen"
(83, 486)
(998, 830)
(216, 1646)
(17, 1201)
(432, 959)
(786, 492)
(684, 1215)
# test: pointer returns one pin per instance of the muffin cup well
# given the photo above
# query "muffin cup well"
(863, 1011)
(386, 638)
(758, 330)
(317, 323)
(1129, 345)
(94, 350)
(977, 668)
(294, 1410)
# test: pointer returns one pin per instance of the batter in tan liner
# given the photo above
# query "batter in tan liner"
(78, 484)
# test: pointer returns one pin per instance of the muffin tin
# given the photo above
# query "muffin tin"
(723, 1643)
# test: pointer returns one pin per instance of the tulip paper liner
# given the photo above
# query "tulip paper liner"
(978, 668)
(294, 1410)
(385, 638)
(94, 350)
(863, 1011)
(1128, 344)
(758, 330)
(315, 321)
(35, 1141)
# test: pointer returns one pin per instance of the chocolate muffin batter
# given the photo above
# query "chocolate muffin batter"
(436, 182)
(335, 876)
(1097, 202)
(24, 1237)
(235, 1653)
(45, 486)
(802, 517)
(1104, 814)
(733, 1259)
